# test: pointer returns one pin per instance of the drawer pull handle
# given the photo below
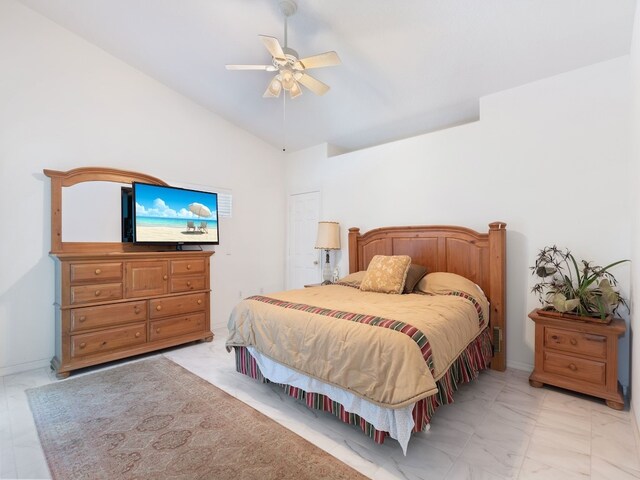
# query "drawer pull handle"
(573, 367)
(158, 307)
(164, 277)
(199, 301)
(98, 271)
(98, 292)
(137, 334)
(82, 345)
(157, 330)
(189, 266)
(136, 310)
(554, 337)
(82, 318)
(188, 284)
(104, 343)
(573, 341)
(595, 338)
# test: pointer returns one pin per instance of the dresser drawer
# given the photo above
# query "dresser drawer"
(96, 272)
(174, 327)
(96, 293)
(108, 340)
(182, 267)
(87, 318)
(577, 368)
(185, 284)
(576, 342)
(167, 307)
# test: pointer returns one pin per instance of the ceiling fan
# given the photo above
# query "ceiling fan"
(291, 71)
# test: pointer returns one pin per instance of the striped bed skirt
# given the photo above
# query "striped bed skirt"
(475, 358)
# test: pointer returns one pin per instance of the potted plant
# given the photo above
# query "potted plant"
(571, 288)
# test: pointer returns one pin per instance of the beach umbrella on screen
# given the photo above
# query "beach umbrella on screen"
(200, 210)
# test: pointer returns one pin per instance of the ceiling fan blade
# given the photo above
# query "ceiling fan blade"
(326, 59)
(267, 68)
(274, 88)
(316, 86)
(273, 45)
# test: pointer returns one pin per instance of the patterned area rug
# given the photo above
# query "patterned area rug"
(155, 420)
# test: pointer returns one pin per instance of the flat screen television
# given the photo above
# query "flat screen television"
(169, 215)
(126, 203)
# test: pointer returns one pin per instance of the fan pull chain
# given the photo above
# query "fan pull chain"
(284, 122)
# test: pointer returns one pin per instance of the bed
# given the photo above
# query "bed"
(384, 362)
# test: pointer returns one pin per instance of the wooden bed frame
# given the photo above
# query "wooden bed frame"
(480, 257)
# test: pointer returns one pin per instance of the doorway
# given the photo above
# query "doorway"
(304, 259)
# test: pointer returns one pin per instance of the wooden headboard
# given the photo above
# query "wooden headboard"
(480, 257)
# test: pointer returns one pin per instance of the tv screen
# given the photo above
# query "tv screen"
(174, 215)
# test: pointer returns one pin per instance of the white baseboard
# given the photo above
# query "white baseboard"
(636, 431)
(520, 366)
(23, 367)
(218, 325)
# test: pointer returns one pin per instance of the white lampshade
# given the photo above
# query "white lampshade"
(328, 236)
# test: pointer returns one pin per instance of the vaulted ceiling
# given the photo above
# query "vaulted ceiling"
(409, 66)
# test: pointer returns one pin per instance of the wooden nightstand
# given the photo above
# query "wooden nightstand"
(313, 285)
(579, 356)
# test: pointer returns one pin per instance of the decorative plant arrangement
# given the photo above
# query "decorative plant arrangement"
(579, 288)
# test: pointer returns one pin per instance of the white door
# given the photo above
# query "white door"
(304, 259)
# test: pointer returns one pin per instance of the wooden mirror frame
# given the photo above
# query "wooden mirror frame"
(59, 180)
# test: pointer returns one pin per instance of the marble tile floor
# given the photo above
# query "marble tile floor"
(498, 428)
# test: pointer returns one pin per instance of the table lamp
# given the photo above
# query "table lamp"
(328, 239)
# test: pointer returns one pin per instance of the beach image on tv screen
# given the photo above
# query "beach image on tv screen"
(175, 215)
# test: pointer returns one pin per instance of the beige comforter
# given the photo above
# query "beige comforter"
(383, 366)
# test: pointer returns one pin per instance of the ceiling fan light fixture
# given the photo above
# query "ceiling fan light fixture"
(287, 79)
(274, 88)
(295, 90)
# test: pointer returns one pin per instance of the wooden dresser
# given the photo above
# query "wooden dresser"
(114, 305)
(579, 356)
(114, 299)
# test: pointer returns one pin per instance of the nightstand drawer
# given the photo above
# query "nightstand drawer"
(577, 368)
(577, 342)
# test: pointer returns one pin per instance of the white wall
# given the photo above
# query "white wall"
(65, 103)
(530, 161)
(635, 216)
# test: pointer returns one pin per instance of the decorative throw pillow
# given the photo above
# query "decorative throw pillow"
(386, 274)
(414, 275)
(353, 279)
(443, 283)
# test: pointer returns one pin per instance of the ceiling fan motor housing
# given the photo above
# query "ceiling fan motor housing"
(288, 7)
